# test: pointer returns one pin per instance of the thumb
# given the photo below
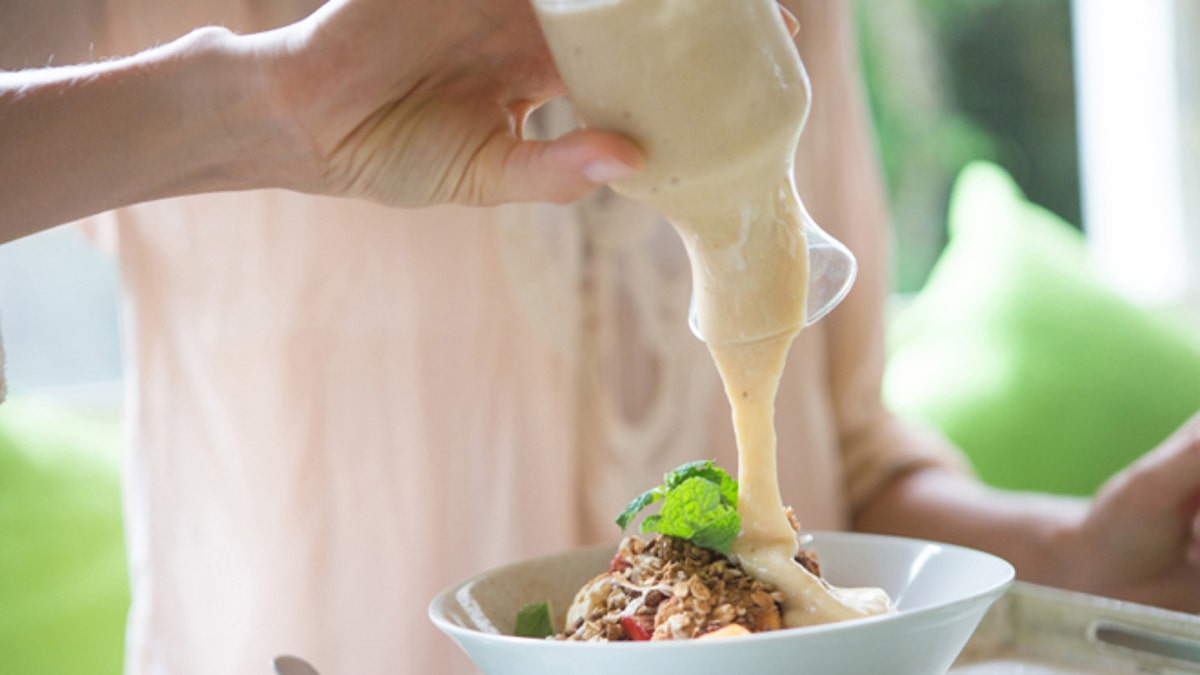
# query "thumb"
(1193, 554)
(1164, 485)
(1173, 468)
(562, 170)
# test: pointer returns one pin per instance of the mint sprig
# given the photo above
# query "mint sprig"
(533, 621)
(699, 503)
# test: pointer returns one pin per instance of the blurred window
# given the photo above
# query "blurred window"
(58, 314)
(1093, 108)
(1140, 130)
(951, 81)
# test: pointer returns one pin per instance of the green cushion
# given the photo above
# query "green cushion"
(1021, 355)
(64, 589)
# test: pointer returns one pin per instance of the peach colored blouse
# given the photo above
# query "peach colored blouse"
(337, 409)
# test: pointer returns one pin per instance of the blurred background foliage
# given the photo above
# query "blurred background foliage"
(950, 81)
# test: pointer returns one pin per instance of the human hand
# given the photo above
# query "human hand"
(405, 102)
(1140, 540)
(412, 103)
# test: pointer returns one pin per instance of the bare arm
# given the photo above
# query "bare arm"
(1137, 539)
(1026, 529)
(82, 139)
(408, 103)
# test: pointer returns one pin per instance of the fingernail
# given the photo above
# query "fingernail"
(607, 171)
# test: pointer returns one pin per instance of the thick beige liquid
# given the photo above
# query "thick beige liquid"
(715, 92)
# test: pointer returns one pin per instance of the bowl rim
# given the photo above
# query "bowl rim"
(992, 590)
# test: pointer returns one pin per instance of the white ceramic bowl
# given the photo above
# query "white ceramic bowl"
(941, 593)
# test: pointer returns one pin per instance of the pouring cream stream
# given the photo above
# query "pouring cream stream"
(715, 93)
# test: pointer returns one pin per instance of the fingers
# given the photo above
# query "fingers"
(1193, 552)
(1172, 470)
(561, 171)
(1167, 481)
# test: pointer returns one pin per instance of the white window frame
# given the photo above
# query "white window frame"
(1137, 88)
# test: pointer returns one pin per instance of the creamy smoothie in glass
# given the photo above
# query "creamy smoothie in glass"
(716, 95)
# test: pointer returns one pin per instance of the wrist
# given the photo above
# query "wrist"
(1056, 556)
(198, 114)
(244, 135)
(315, 91)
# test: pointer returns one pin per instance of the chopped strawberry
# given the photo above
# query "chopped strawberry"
(619, 564)
(635, 630)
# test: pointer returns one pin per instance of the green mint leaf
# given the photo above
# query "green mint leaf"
(708, 470)
(699, 503)
(640, 502)
(650, 524)
(695, 510)
(690, 470)
(720, 532)
(533, 621)
(729, 490)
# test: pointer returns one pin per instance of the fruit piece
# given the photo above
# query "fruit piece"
(732, 630)
(636, 631)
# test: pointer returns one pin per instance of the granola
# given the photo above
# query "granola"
(666, 588)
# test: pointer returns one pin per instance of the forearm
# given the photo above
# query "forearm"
(1032, 531)
(191, 116)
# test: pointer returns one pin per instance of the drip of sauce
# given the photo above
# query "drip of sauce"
(767, 543)
(715, 93)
